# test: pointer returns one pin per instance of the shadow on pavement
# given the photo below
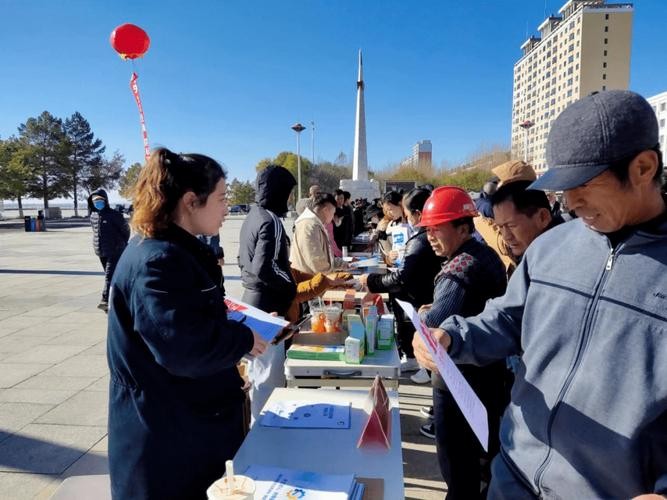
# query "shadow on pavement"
(49, 271)
(20, 453)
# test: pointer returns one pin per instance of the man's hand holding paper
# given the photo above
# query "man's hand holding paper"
(422, 352)
(433, 352)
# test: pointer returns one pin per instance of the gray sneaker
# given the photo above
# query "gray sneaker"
(421, 377)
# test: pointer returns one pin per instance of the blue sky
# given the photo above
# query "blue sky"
(229, 78)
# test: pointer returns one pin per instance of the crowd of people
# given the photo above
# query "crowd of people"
(549, 293)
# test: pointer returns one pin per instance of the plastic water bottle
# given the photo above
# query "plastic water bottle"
(371, 328)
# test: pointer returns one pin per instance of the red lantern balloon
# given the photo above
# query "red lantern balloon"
(130, 41)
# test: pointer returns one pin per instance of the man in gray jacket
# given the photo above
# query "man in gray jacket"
(586, 310)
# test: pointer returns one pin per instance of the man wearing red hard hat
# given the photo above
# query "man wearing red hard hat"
(472, 274)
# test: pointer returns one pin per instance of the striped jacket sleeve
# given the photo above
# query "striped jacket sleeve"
(265, 260)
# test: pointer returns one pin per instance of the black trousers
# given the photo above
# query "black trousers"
(405, 330)
(459, 452)
(109, 266)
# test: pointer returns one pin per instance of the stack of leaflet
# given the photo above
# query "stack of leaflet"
(319, 352)
(276, 482)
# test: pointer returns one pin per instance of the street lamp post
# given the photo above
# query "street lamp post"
(526, 126)
(298, 128)
(312, 142)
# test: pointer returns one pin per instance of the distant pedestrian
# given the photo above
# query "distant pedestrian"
(110, 235)
(554, 204)
(483, 203)
(343, 227)
(304, 203)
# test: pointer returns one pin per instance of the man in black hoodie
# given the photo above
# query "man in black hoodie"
(110, 235)
(265, 272)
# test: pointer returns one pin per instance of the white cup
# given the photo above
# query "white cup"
(244, 489)
(344, 250)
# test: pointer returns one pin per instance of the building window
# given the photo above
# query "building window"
(606, 41)
(605, 53)
(606, 29)
(662, 123)
(604, 76)
(606, 17)
(604, 87)
(604, 64)
(662, 106)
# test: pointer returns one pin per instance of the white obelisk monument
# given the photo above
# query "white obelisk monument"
(359, 186)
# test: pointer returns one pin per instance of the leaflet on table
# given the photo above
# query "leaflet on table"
(276, 482)
(266, 325)
(472, 408)
(305, 415)
(370, 262)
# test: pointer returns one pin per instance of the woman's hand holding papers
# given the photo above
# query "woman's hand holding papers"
(422, 353)
(258, 346)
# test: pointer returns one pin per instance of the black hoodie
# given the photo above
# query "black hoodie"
(110, 230)
(264, 246)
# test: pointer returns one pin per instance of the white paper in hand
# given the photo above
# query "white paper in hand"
(472, 408)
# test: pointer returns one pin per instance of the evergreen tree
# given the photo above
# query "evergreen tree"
(128, 180)
(105, 175)
(14, 171)
(240, 192)
(85, 154)
(46, 151)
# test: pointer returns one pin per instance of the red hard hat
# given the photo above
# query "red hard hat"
(447, 203)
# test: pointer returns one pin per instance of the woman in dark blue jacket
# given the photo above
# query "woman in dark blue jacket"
(175, 397)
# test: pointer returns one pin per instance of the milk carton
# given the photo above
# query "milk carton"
(385, 331)
(353, 353)
(356, 329)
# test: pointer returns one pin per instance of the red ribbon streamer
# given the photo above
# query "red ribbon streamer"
(135, 91)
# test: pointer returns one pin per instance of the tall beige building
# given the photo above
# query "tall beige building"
(586, 47)
(659, 104)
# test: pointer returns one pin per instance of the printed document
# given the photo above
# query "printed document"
(266, 325)
(472, 408)
(305, 415)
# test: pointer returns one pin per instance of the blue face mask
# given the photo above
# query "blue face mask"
(99, 204)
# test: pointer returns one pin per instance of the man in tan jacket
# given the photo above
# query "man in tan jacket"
(311, 249)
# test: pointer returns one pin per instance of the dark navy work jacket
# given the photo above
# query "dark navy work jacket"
(175, 397)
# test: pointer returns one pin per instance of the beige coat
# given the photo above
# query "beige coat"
(311, 251)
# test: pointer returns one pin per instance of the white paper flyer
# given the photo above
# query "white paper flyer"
(472, 408)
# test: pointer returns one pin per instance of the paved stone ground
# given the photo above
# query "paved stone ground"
(53, 370)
